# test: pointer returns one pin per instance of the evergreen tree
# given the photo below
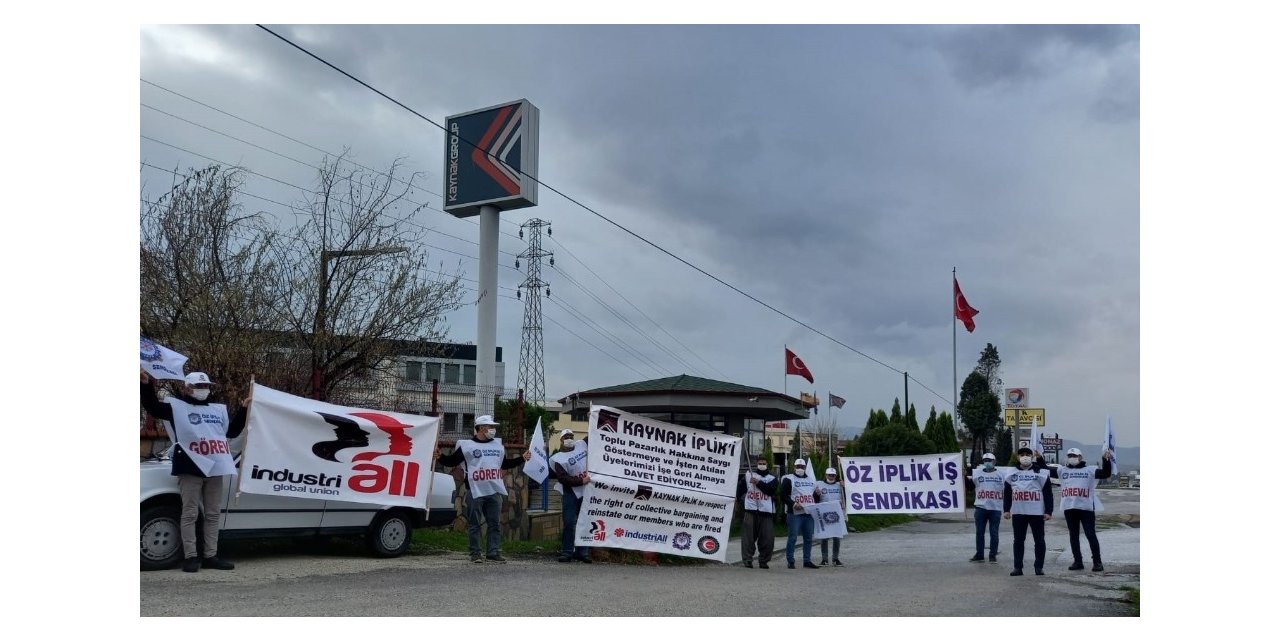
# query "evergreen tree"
(911, 418)
(946, 434)
(895, 416)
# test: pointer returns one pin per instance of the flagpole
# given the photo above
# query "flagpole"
(784, 369)
(954, 405)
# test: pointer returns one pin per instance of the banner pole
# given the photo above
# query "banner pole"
(247, 430)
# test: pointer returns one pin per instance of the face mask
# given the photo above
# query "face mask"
(989, 466)
(831, 479)
(762, 467)
(800, 471)
(568, 445)
(482, 434)
(1025, 459)
(1073, 460)
(199, 394)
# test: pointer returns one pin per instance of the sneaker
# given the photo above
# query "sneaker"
(216, 563)
(477, 559)
(498, 559)
(191, 565)
(1076, 566)
(764, 565)
(1016, 572)
(747, 564)
(791, 565)
(1039, 572)
(810, 565)
(1097, 566)
(976, 558)
(564, 558)
(837, 563)
(823, 563)
(992, 558)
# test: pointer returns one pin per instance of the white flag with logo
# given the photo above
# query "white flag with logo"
(311, 449)
(161, 362)
(537, 466)
(828, 520)
(1035, 445)
(1109, 444)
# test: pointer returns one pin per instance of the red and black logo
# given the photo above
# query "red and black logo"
(708, 545)
(402, 476)
(644, 492)
(597, 530)
(607, 421)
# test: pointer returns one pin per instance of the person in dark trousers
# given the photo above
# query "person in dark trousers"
(987, 483)
(1079, 483)
(569, 466)
(797, 491)
(1028, 500)
(483, 460)
(198, 489)
(757, 488)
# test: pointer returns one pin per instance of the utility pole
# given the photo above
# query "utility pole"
(531, 377)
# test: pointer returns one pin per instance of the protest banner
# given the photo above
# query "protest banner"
(161, 362)
(311, 449)
(930, 483)
(657, 486)
(828, 520)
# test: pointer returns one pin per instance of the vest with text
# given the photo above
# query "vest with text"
(484, 466)
(754, 499)
(1028, 491)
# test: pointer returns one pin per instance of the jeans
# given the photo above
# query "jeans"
(1076, 518)
(571, 504)
(490, 508)
(1020, 524)
(984, 519)
(799, 523)
(835, 548)
(757, 535)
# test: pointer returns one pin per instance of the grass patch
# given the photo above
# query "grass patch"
(1133, 598)
(436, 541)
(864, 523)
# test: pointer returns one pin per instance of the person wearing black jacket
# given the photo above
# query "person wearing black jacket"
(757, 489)
(1079, 500)
(484, 460)
(1028, 500)
(195, 487)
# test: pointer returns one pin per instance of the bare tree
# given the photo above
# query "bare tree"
(361, 284)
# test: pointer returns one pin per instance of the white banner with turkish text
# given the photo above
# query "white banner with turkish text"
(633, 447)
(929, 483)
(626, 514)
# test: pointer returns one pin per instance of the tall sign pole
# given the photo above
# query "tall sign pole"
(490, 165)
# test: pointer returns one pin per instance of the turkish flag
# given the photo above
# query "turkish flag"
(795, 367)
(964, 312)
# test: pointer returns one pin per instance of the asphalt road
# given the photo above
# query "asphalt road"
(917, 569)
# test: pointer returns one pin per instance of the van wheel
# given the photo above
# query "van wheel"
(161, 546)
(389, 535)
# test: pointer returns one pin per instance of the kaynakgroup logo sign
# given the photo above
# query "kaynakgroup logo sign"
(491, 158)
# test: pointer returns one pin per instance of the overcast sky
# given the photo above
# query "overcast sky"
(837, 173)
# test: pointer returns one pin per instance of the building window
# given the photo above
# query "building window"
(413, 371)
(468, 374)
(431, 371)
(468, 421)
(451, 374)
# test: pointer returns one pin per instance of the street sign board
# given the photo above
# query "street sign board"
(491, 158)
(1016, 397)
(1051, 444)
(1024, 417)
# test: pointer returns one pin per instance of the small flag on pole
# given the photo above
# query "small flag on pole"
(161, 362)
(796, 367)
(1035, 436)
(835, 401)
(537, 466)
(1109, 443)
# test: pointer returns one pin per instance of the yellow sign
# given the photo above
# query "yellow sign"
(1024, 417)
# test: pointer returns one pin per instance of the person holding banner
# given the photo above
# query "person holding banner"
(569, 466)
(988, 500)
(757, 488)
(1028, 500)
(1079, 500)
(484, 460)
(831, 490)
(201, 463)
(797, 490)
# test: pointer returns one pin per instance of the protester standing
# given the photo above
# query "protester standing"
(988, 502)
(1028, 500)
(831, 490)
(797, 490)
(201, 458)
(757, 488)
(569, 466)
(1079, 482)
(483, 460)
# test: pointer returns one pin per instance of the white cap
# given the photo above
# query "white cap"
(566, 433)
(830, 471)
(486, 420)
(1074, 452)
(988, 456)
(198, 377)
(801, 463)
